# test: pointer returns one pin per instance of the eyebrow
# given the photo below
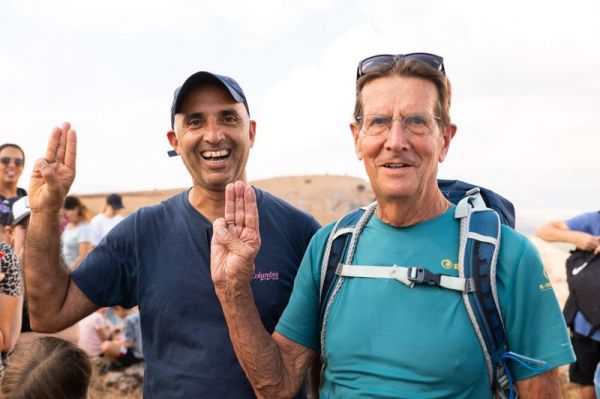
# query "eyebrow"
(224, 112)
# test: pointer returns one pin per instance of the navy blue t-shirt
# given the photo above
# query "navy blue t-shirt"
(158, 258)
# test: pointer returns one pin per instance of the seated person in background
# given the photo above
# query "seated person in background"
(77, 236)
(93, 331)
(46, 368)
(583, 231)
(103, 222)
(126, 349)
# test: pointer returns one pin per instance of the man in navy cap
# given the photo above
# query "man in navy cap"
(158, 257)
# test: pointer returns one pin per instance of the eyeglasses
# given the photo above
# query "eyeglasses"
(18, 161)
(376, 62)
(417, 124)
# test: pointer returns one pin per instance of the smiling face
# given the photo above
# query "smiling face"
(10, 174)
(213, 134)
(401, 165)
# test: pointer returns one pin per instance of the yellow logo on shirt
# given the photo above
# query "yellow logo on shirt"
(546, 286)
(448, 264)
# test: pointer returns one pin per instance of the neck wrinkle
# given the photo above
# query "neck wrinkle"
(410, 212)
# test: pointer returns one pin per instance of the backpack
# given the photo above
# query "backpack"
(478, 251)
(583, 279)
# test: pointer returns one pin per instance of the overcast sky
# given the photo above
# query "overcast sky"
(525, 76)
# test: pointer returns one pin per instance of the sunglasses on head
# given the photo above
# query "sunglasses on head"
(18, 161)
(376, 62)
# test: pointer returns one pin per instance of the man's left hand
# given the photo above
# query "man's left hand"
(236, 238)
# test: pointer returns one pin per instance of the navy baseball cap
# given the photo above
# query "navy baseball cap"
(203, 77)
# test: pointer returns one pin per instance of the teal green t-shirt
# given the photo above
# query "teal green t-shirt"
(385, 339)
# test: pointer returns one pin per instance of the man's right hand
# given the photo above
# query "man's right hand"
(53, 175)
(588, 242)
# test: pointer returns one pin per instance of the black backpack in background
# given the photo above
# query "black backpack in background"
(583, 278)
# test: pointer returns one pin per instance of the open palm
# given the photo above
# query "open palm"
(236, 238)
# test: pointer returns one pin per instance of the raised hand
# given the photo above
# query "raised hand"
(236, 238)
(53, 175)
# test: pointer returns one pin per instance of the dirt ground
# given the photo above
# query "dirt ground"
(99, 390)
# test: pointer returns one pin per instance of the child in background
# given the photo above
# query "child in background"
(126, 349)
(47, 368)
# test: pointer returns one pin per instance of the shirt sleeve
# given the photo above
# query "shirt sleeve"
(99, 322)
(85, 233)
(533, 320)
(300, 319)
(129, 329)
(587, 222)
(108, 274)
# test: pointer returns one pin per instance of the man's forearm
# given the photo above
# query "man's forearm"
(271, 373)
(559, 232)
(543, 386)
(46, 279)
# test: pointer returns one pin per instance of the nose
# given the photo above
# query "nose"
(213, 133)
(397, 138)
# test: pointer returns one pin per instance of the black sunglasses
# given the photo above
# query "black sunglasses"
(18, 161)
(376, 62)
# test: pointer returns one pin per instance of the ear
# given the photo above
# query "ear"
(355, 129)
(252, 132)
(172, 137)
(447, 136)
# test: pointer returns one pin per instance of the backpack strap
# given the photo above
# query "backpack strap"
(340, 247)
(407, 275)
(480, 231)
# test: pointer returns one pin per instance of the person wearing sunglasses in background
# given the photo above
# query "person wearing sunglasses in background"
(384, 339)
(158, 257)
(12, 162)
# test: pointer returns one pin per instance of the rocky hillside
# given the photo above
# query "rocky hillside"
(326, 197)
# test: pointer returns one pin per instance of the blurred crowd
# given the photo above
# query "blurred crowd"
(109, 337)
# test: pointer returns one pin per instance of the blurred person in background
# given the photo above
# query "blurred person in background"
(125, 349)
(77, 235)
(12, 162)
(583, 231)
(11, 299)
(16, 233)
(103, 222)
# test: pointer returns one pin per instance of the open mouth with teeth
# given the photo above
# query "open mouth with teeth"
(395, 165)
(215, 155)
